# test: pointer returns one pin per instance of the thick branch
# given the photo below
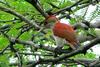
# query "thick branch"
(80, 50)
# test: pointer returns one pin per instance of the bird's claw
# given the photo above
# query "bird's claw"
(58, 50)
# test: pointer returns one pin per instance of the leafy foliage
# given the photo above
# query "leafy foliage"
(17, 26)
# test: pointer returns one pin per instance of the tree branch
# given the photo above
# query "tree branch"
(37, 5)
(8, 10)
(67, 8)
(78, 51)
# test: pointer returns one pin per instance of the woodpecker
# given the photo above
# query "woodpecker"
(62, 32)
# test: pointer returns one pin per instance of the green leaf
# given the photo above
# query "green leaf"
(4, 61)
(73, 21)
(3, 42)
(65, 4)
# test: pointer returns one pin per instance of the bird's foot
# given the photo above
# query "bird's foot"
(84, 52)
(58, 50)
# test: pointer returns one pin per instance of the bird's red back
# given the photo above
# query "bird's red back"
(64, 31)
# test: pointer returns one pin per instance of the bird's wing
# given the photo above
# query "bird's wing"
(65, 32)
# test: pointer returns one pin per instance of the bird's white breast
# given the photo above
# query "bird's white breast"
(59, 41)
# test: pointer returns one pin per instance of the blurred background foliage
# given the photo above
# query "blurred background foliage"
(26, 9)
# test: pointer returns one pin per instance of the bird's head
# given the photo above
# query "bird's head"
(51, 20)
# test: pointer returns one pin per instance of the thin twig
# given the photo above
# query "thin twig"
(67, 8)
(20, 59)
(37, 5)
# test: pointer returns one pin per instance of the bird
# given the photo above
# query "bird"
(62, 32)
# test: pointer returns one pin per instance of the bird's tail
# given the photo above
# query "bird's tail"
(74, 45)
